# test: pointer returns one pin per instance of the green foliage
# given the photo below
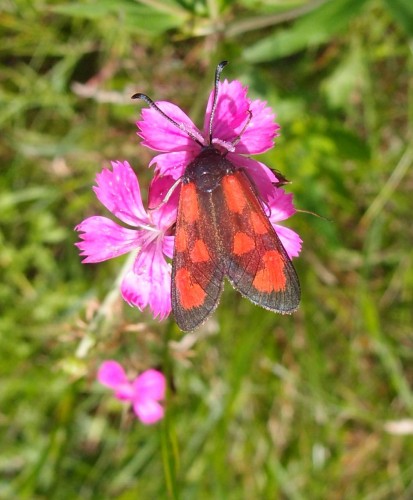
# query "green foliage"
(317, 405)
(403, 13)
(313, 29)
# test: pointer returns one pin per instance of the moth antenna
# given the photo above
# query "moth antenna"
(313, 213)
(279, 184)
(218, 72)
(181, 126)
(168, 195)
(238, 138)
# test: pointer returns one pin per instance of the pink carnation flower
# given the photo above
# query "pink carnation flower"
(148, 281)
(144, 393)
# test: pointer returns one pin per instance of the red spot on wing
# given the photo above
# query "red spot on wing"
(190, 294)
(243, 243)
(234, 194)
(271, 278)
(259, 223)
(181, 239)
(189, 203)
(199, 252)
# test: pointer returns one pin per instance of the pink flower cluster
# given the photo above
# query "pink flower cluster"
(150, 232)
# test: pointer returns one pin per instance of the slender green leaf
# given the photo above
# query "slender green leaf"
(145, 17)
(313, 29)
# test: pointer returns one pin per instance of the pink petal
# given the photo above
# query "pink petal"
(150, 384)
(151, 266)
(111, 374)
(159, 188)
(135, 290)
(149, 283)
(281, 205)
(231, 112)
(175, 163)
(168, 246)
(103, 239)
(290, 240)
(163, 193)
(125, 392)
(161, 135)
(148, 411)
(119, 192)
(261, 130)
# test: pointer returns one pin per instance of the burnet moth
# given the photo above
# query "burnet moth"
(222, 230)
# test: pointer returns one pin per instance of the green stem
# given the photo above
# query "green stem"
(169, 444)
(388, 189)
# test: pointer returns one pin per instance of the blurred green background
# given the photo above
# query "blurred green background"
(318, 405)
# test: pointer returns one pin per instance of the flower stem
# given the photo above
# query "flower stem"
(169, 443)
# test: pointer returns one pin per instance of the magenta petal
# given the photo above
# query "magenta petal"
(104, 239)
(159, 188)
(120, 193)
(260, 132)
(165, 216)
(168, 246)
(148, 411)
(161, 135)
(290, 240)
(164, 194)
(150, 384)
(231, 112)
(149, 283)
(125, 392)
(174, 163)
(111, 374)
(155, 274)
(135, 290)
(281, 205)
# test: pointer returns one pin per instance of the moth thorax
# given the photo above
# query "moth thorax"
(208, 169)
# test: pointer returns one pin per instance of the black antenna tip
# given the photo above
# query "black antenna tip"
(219, 69)
(139, 96)
(145, 98)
